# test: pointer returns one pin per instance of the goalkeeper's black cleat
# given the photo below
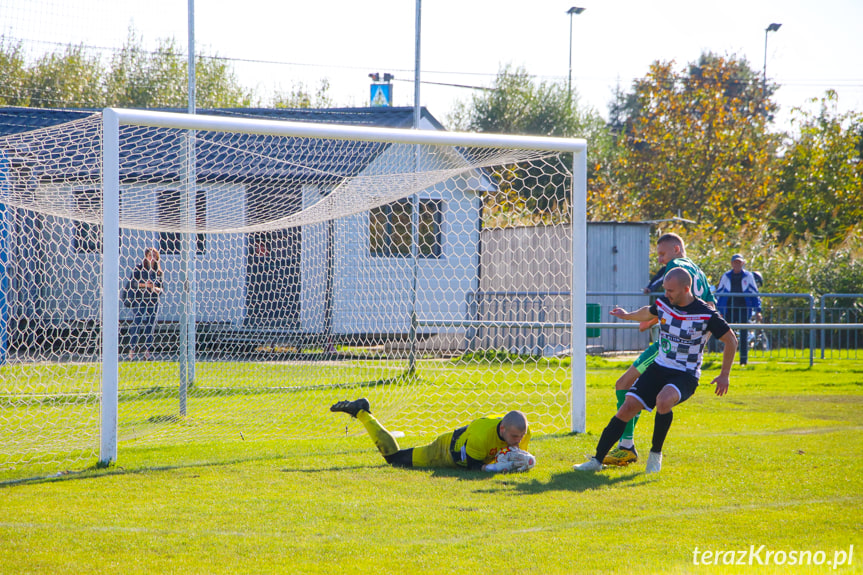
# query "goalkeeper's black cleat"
(352, 407)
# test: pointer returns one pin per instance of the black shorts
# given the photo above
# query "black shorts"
(655, 377)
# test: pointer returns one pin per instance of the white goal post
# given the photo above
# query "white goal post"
(114, 118)
(169, 278)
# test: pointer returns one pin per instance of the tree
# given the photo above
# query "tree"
(68, 79)
(301, 96)
(517, 104)
(76, 77)
(13, 70)
(693, 143)
(821, 177)
(159, 79)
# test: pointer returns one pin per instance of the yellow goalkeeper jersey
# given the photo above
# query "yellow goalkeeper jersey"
(480, 440)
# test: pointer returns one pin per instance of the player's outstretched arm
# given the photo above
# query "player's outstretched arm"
(722, 380)
(642, 314)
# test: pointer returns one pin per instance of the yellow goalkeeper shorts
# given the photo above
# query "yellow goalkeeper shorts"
(435, 454)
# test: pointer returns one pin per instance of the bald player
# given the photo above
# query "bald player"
(473, 446)
(670, 254)
(684, 324)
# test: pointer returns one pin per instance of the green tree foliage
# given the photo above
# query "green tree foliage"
(13, 71)
(68, 79)
(692, 143)
(301, 96)
(517, 104)
(76, 77)
(159, 79)
(820, 187)
(218, 85)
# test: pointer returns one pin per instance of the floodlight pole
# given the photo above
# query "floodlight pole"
(191, 40)
(415, 203)
(417, 30)
(188, 246)
(771, 28)
(571, 12)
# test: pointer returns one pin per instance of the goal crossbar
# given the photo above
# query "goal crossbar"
(155, 119)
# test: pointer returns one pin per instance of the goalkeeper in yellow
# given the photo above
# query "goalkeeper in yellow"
(474, 446)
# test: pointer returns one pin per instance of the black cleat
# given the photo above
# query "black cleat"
(352, 407)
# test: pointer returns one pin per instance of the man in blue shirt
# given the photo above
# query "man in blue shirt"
(739, 308)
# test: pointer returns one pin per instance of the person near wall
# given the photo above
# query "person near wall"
(145, 287)
(739, 308)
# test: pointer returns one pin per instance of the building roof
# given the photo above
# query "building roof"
(151, 154)
(391, 117)
(14, 120)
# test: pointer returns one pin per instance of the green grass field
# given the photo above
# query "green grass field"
(777, 463)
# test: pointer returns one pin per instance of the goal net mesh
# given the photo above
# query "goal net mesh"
(321, 270)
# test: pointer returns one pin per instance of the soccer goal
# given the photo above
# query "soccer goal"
(168, 278)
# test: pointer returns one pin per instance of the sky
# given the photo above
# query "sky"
(274, 45)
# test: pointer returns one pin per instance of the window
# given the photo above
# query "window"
(169, 215)
(86, 237)
(391, 229)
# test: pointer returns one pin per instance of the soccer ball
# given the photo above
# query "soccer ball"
(523, 460)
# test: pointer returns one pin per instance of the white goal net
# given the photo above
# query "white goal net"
(298, 265)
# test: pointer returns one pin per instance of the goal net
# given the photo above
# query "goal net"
(167, 278)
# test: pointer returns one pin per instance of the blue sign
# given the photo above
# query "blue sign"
(382, 95)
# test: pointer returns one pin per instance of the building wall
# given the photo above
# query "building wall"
(372, 294)
(526, 275)
(55, 282)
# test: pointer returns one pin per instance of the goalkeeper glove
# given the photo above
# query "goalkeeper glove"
(499, 467)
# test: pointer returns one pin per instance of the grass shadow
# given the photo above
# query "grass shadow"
(459, 474)
(98, 472)
(324, 469)
(574, 481)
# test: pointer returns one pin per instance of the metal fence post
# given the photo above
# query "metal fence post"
(823, 300)
(472, 313)
(811, 331)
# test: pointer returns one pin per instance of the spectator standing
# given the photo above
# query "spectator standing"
(743, 303)
(145, 287)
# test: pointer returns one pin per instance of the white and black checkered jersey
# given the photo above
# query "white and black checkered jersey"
(683, 331)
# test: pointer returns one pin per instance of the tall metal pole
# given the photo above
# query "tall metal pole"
(191, 39)
(572, 11)
(415, 204)
(569, 76)
(417, 29)
(764, 70)
(188, 245)
(773, 27)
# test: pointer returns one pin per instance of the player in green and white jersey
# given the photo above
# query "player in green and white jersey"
(671, 253)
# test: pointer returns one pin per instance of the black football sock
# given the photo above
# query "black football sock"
(610, 435)
(661, 425)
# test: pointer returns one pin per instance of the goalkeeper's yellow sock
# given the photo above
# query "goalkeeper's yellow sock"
(384, 441)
